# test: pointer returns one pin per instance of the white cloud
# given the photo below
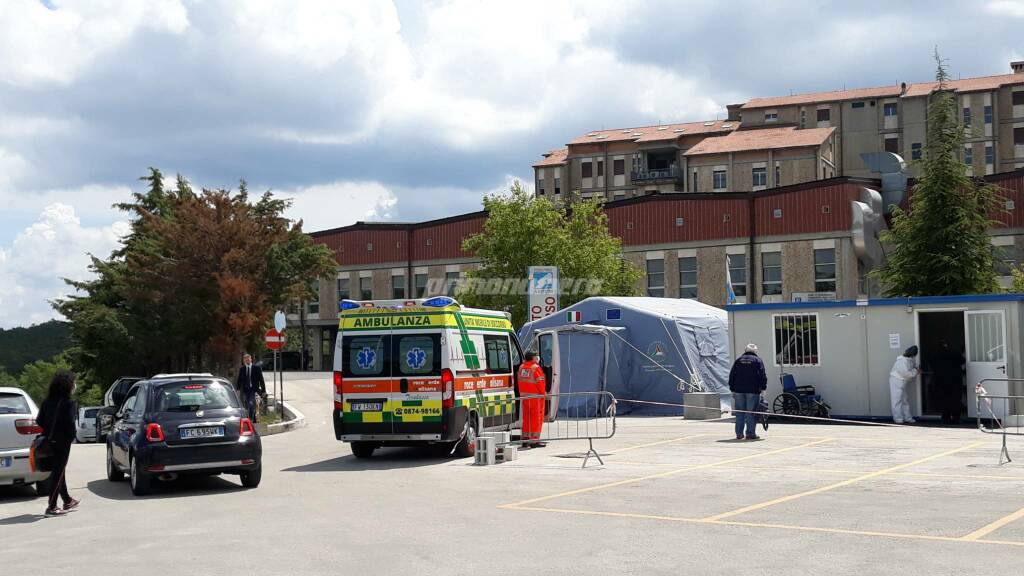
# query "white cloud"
(337, 204)
(40, 44)
(1013, 8)
(52, 248)
(12, 168)
(92, 201)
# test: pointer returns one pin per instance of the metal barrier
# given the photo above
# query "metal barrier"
(994, 411)
(581, 416)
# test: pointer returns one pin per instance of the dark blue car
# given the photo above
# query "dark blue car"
(172, 425)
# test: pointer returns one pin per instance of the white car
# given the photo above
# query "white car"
(85, 427)
(17, 430)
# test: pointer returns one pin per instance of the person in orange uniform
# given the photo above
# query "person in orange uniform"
(532, 383)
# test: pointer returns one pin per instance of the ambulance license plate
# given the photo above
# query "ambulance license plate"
(367, 406)
(6, 462)
(201, 432)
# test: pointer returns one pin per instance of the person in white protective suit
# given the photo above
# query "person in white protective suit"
(903, 371)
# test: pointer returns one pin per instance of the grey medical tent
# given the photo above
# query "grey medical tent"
(638, 348)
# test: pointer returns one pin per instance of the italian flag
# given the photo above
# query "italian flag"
(574, 316)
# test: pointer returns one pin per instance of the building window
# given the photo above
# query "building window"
(558, 185)
(618, 167)
(760, 176)
(451, 282)
(857, 105)
(694, 181)
(421, 285)
(656, 278)
(990, 154)
(967, 117)
(1005, 259)
(969, 155)
(600, 168)
(988, 114)
(915, 151)
(892, 145)
(825, 270)
(1018, 133)
(771, 116)
(344, 293)
(366, 288)
(398, 286)
(803, 118)
(587, 169)
(313, 306)
(1018, 98)
(771, 273)
(719, 181)
(778, 175)
(737, 264)
(688, 277)
(796, 340)
(890, 109)
(540, 187)
(824, 114)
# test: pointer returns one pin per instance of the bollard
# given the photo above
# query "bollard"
(485, 451)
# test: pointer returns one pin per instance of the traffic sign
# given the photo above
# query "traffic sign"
(275, 340)
(279, 321)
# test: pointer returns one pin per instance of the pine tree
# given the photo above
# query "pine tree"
(941, 245)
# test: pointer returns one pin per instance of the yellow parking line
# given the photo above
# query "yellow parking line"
(840, 484)
(664, 474)
(985, 530)
(658, 443)
(870, 533)
(851, 472)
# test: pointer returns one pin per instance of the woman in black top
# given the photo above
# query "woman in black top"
(57, 418)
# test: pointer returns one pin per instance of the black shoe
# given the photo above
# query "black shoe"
(51, 512)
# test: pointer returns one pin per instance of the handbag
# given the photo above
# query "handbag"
(40, 455)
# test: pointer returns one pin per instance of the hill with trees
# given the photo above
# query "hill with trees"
(22, 346)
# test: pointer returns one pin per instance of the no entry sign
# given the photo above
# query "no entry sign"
(275, 340)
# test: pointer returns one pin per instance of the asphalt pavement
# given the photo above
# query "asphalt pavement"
(673, 497)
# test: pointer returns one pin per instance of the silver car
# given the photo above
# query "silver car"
(17, 430)
(85, 427)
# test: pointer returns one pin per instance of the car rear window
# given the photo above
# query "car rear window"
(418, 355)
(365, 356)
(192, 396)
(11, 403)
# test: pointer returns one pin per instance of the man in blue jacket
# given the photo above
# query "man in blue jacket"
(747, 380)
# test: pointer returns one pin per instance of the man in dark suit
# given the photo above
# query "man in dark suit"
(249, 383)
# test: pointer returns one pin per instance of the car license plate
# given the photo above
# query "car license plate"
(201, 432)
(367, 406)
(6, 462)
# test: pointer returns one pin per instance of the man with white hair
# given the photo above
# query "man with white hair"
(747, 380)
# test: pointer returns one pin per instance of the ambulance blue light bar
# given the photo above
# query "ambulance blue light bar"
(349, 305)
(439, 302)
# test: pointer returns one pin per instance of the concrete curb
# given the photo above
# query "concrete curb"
(295, 419)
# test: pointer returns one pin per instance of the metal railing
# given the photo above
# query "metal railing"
(994, 412)
(580, 416)
(670, 173)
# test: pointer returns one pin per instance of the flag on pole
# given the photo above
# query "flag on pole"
(730, 294)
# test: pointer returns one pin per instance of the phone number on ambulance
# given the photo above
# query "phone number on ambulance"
(417, 411)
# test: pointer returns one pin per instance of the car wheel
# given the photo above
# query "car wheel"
(113, 473)
(140, 481)
(363, 449)
(467, 446)
(251, 478)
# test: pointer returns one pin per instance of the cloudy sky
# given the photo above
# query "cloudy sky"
(394, 111)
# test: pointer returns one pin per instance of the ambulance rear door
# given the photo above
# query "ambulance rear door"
(416, 380)
(549, 360)
(367, 383)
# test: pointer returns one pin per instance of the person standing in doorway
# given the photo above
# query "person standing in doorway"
(747, 380)
(948, 375)
(57, 419)
(903, 371)
(249, 383)
(532, 386)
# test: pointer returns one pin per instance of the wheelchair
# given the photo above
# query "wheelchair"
(799, 400)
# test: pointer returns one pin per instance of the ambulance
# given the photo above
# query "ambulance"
(424, 371)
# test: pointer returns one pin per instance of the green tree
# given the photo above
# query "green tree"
(523, 231)
(194, 283)
(941, 245)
